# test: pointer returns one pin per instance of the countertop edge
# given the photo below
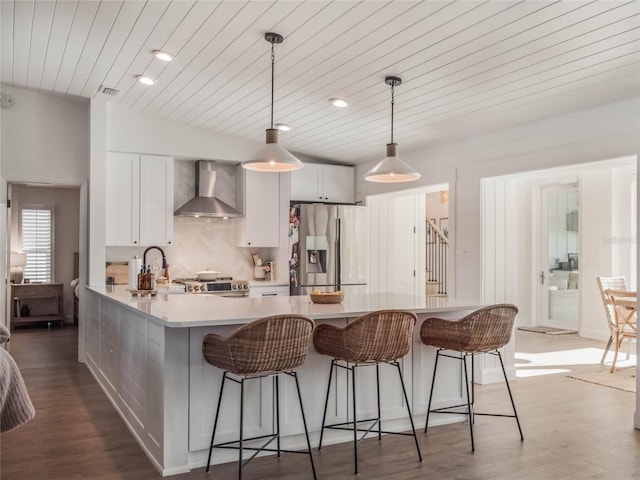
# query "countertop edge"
(254, 309)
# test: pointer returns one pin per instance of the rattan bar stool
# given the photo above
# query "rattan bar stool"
(483, 331)
(378, 337)
(266, 347)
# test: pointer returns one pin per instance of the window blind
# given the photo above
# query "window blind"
(37, 243)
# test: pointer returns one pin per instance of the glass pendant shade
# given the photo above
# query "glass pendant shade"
(392, 169)
(273, 157)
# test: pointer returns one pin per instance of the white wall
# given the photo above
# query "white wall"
(129, 131)
(605, 132)
(44, 138)
(66, 205)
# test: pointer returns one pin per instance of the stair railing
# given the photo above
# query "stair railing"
(437, 249)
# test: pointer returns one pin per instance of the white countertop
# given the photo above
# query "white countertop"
(189, 310)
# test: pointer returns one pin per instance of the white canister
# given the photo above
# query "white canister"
(135, 264)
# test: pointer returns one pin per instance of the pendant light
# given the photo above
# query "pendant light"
(273, 157)
(392, 169)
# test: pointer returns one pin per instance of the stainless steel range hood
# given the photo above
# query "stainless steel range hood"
(205, 203)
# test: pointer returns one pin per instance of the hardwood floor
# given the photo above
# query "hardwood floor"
(573, 429)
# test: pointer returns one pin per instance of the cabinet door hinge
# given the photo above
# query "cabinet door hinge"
(8, 203)
(414, 273)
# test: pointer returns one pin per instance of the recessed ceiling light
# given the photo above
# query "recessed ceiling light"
(145, 80)
(162, 55)
(339, 102)
(282, 127)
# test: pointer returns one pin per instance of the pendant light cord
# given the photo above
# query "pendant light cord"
(273, 61)
(393, 84)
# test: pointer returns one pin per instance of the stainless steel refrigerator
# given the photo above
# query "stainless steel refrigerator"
(328, 248)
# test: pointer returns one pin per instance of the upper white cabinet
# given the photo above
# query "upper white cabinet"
(260, 195)
(139, 205)
(123, 199)
(317, 182)
(156, 200)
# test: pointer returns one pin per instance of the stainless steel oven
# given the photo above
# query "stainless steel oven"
(224, 287)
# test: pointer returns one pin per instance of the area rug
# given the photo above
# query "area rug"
(622, 379)
(547, 330)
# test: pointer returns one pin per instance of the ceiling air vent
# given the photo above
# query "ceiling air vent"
(109, 91)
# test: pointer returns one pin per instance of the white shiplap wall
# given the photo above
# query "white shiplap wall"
(605, 132)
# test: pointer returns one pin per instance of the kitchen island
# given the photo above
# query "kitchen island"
(146, 354)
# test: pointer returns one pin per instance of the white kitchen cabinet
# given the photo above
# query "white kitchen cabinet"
(260, 195)
(156, 200)
(125, 353)
(268, 290)
(139, 207)
(123, 199)
(317, 182)
(109, 346)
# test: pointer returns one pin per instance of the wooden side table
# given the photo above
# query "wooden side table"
(36, 302)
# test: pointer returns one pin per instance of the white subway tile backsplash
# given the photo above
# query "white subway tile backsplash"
(200, 243)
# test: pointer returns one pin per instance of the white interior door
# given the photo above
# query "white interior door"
(403, 267)
(558, 272)
(396, 243)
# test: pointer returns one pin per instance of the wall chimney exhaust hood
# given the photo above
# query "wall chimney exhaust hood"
(205, 203)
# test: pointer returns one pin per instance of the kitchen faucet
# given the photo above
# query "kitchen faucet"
(144, 257)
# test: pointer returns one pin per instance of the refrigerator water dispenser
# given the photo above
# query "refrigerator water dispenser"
(316, 254)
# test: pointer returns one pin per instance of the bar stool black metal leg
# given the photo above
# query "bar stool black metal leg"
(473, 388)
(215, 422)
(355, 431)
(406, 399)
(378, 392)
(275, 381)
(469, 412)
(304, 422)
(241, 428)
(510, 396)
(433, 382)
(326, 403)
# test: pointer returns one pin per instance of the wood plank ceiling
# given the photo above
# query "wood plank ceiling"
(467, 67)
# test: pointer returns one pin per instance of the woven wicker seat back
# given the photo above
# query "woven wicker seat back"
(610, 283)
(269, 345)
(485, 329)
(379, 336)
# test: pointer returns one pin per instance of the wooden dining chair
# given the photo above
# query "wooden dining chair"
(624, 318)
(610, 283)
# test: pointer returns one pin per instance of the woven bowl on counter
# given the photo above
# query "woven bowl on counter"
(335, 297)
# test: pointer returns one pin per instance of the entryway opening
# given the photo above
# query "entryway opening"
(43, 248)
(411, 251)
(561, 228)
